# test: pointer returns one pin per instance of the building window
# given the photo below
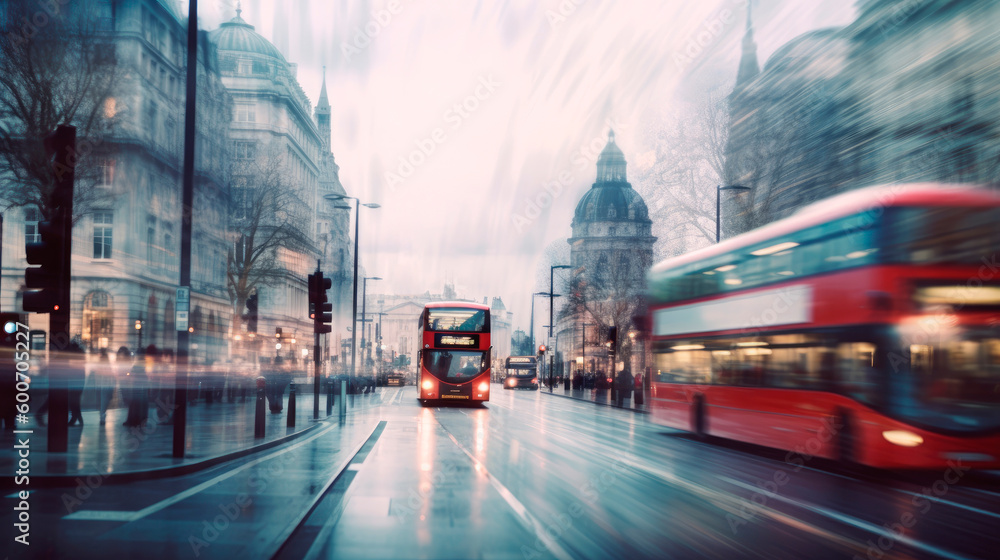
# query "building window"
(102, 234)
(150, 239)
(246, 150)
(31, 218)
(98, 320)
(105, 16)
(245, 112)
(107, 173)
(151, 119)
(244, 66)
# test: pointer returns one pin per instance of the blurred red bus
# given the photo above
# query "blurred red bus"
(454, 359)
(864, 328)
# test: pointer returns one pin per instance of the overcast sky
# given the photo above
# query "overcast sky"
(506, 96)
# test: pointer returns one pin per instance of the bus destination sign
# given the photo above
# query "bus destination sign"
(442, 340)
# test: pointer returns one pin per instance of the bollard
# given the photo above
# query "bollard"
(343, 398)
(329, 396)
(258, 423)
(291, 405)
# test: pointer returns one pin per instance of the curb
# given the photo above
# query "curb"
(637, 410)
(61, 481)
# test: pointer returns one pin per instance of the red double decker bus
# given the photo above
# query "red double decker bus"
(864, 328)
(454, 359)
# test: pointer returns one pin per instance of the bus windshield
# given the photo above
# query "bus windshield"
(456, 319)
(454, 366)
(956, 381)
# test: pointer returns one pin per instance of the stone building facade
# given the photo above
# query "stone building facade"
(610, 251)
(905, 93)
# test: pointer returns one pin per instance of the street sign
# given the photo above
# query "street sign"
(183, 307)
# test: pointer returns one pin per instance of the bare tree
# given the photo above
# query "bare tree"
(56, 67)
(692, 160)
(608, 292)
(266, 216)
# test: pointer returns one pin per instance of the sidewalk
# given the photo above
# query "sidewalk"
(602, 397)
(215, 433)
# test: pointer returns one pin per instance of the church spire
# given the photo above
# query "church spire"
(748, 59)
(323, 100)
(322, 115)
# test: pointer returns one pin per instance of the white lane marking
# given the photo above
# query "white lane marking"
(163, 504)
(848, 520)
(527, 520)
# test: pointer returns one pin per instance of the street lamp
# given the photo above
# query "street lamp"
(354, 309)
(552, 270)
(531, 326)
(718, 205)
(364, 300)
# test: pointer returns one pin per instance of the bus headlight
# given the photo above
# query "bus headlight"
(512, 382)
(484, 386)
(904, 438)
(427, 385)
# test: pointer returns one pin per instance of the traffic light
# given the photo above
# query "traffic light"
(47, 284)
(251, 316)
(277, 333)
(320, 311)
(612, 341)
(541, 350)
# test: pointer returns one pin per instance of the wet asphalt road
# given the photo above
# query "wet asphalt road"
(528, 475)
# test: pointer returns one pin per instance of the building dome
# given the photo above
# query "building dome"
(611, 198)
(238, 35)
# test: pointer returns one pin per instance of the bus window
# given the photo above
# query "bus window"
(856, 373)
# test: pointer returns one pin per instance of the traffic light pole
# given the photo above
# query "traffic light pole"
(61, 203)
(183, 336)
(316, 351)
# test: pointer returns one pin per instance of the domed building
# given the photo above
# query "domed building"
(612, 243)
(275, 127)
(610, 252)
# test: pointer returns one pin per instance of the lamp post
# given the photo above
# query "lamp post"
(552, 270)
(364, 300)
(718, 205)
(531, 326)
(354, 308)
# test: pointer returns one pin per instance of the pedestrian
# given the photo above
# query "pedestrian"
(639, 390)
(277, 378)
(104, 381)
(138, 391)
(625, 383)
(76, 378)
